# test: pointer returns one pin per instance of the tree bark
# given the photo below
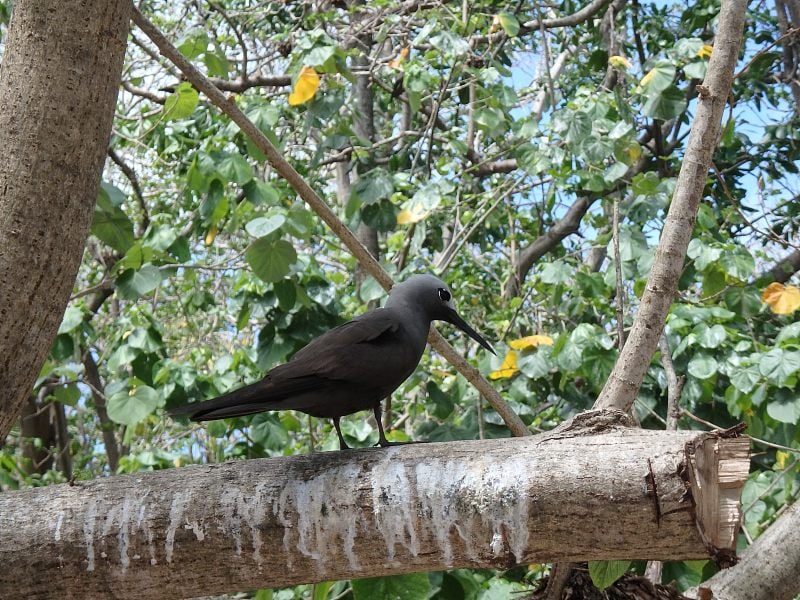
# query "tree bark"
(623, 384)
(768, 570)
(58, 85)
(784, 269)
(566, 496)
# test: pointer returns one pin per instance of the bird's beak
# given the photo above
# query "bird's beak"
(454, 318)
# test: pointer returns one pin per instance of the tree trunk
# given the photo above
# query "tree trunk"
(768, 570)
(566, 496)
(623, 384)
(58, 85)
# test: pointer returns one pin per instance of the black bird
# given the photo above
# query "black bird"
(352, 367)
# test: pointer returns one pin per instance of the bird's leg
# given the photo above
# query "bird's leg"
(342, 444)
(382, 441)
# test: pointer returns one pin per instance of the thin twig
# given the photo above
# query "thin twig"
(318, 205)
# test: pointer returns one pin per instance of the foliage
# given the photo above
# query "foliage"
(204, 269)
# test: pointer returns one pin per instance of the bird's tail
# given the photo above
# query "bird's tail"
(267, 394)
(238, 403)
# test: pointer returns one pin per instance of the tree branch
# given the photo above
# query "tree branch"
(360, 513)
(318, 205)
(623, 384)
(568, 225)
(783, 270)
(767, 570)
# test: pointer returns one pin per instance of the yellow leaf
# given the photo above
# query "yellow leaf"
(634, 151)
(306, 86)
(531, 341)
(508, 368)
(413, 214)
(780, 459)
(495, 24)
(619, 62)
(211, 235)
(705, 51)
(782, 299)
(646, 79)
(395, 63)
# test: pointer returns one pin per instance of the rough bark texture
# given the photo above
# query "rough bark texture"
(623, 384)
(58, 85)
(768, 570)
(360, 513)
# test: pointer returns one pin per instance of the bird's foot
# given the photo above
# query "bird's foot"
(388, 444)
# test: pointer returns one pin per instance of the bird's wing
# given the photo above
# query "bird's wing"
(364, 328)
(345, 353)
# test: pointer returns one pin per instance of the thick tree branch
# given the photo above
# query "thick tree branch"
(576, 18)
(568, 225)
(372, 512)
(58, 84)
(318, 205)
(768, 570)
(626, 378)
(783, 270)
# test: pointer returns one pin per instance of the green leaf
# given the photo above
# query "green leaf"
(778, 365)
(659, 78)
(555, 272)
(265, 429)
(235, 168)
(286, 292)
(745, 379)
(109, 223)
(578, 126)
(270, 260)
(738, 263)
(181, 103)
(416, 586)
(381, 216)
(160, 237)
(134, 283)
(68, 394)
(790, 333)
(785, 407)
(702, 366)
(259, 192)
(122, 357)
(193, 43)
(216, 63)
(710, 337)
(743, 300)
(664, 105)
(606, 572)
(443, 404)
(374, 186)
(614, 172)
(263, 226)
(128, 409)
(73, 317)
(534, 365)
(145, 339)
(509, 23)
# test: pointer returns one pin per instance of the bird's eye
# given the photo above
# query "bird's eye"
(444, 295)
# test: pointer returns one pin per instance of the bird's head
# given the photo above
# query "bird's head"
(432, 297)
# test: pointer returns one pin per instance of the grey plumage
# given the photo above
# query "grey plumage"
(351, 367)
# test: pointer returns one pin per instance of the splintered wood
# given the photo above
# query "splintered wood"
(718, 470)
